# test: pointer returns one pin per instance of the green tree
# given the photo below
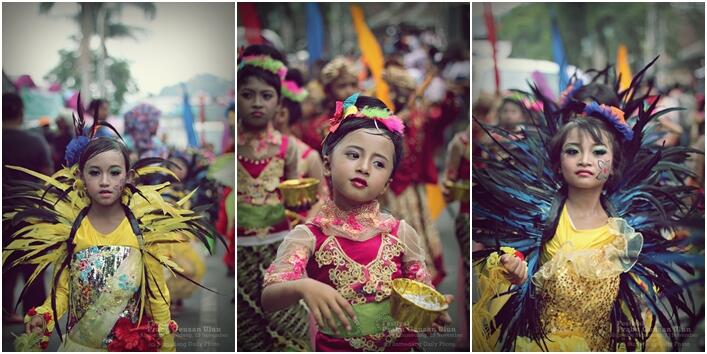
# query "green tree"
(592, 32)
(99, 19)
(119, 81)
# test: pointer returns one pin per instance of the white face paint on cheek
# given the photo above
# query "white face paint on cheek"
(604, 168)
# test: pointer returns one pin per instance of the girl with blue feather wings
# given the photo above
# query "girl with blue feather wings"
(584, 230)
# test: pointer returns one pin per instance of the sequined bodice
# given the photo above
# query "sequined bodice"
(576, 304)
(91, 269)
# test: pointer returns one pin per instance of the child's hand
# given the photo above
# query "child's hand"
(516, 270)
(326, 304)
(446, 193)
(444, 319)
(36, 324)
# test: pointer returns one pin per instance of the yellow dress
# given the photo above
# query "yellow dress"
(577, 284)
(110, 280)
(88, 240)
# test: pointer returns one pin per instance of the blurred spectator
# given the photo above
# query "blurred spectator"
(98, 109)
(340, 81)
(511, 115)
(141, 125)
(62, 137)
(31, 151)
(681, 98)
(669, 123)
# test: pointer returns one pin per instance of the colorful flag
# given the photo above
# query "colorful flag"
(249, 19)
(542, 84)
(558, 53)
(188, 118)
(372, 53)
(315, 32)
(622, 67)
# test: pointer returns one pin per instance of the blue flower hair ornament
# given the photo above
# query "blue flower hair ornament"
(75, 149)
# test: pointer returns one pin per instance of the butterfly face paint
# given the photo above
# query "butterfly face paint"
(604, 167)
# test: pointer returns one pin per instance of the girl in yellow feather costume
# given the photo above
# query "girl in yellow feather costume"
(105, 239)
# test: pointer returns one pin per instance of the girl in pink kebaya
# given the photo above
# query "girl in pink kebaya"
(341, 264)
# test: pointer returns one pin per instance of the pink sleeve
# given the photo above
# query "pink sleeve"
(414, 255)
(292, 257)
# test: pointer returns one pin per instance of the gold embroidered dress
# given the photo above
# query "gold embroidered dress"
(578, 283)
(358, 253)
(261, 227)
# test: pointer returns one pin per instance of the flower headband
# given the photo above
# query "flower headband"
(611, 114)
(265, 62)
(348, 109)
(291, 90)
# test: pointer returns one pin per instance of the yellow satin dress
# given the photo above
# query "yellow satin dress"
(578, 282)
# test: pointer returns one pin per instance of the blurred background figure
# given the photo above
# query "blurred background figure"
(28, 150)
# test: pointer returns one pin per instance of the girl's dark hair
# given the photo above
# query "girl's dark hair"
(594, 127)
(100, 145)
(293, 107)
(352, 124)
(249, 71)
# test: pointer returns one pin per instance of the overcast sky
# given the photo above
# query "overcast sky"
(183, 40)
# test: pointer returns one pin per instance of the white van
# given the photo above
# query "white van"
(514, 74)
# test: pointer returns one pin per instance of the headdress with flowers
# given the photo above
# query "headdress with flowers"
(612, 115)
(265, 62)
(294, 92)
(348, 109)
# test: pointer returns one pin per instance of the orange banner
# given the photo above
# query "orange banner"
(372, 53)
(622, 67)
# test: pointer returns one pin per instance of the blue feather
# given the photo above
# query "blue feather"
(75, 149)
(351, 100)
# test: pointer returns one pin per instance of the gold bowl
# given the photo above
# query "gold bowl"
(299, 192)
(415, 304)
(459, 191)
